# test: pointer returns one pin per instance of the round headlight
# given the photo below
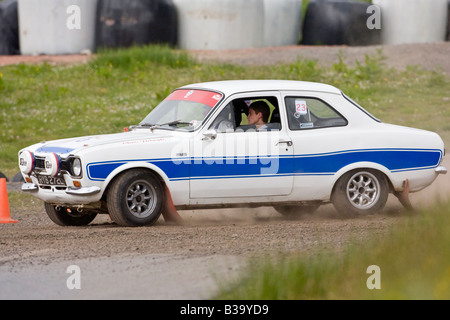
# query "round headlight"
(76, 167)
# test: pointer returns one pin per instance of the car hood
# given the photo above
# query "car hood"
(72, 145)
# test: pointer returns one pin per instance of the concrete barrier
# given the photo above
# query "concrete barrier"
(56, 26)
(413, 21)
(237, 24)
(283, 22)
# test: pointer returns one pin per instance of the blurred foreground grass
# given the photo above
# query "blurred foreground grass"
(120, 87)
(413, 263)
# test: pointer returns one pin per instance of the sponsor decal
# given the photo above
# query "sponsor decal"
(209, 98)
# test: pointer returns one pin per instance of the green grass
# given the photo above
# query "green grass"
(120, 87)
(413, 263)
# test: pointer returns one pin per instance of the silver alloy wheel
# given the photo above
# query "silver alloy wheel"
(363, 190)
(141, 199)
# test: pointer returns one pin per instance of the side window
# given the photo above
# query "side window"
(234, 116)
(224, 122)
(241, 114)
(311, 113)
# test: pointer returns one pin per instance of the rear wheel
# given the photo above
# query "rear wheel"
(360, 192)
(135, 198)
(63, 216)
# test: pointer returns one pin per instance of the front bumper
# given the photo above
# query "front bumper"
(31, 187)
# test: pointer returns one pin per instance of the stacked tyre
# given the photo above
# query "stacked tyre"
(9, 28)
(329, 22)
(135, 22)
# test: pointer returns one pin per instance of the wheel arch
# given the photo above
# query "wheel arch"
(160, 174)
(362, 166)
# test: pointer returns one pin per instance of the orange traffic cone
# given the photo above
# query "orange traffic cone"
(170, 214)
(5, 216)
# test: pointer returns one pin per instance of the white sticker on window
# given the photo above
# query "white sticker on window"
(300, 107)
(306, 125)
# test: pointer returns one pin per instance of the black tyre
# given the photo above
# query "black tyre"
(3, 176)
(360, 192)
(293, 211)
(18, 178)
(135, 198)
(63, 216)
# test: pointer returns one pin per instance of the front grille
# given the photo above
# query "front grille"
(40, 164)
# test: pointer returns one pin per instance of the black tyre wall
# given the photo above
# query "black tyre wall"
(448, 20)
(68, 217)
(2, 175)
(336, 22)
(135, 22)
(9, 28)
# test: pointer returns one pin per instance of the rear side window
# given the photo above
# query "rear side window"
(311, 113)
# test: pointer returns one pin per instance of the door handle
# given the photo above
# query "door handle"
(288, 142)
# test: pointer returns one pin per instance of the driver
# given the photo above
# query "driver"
(258, 114)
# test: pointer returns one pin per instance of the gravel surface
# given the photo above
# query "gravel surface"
(189, 260)
(178, 261)
(430, 56)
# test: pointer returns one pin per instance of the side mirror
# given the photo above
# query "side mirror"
(210, 134)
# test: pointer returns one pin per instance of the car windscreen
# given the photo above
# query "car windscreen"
(184, 109)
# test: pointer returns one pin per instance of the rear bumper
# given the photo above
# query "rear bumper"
(441, 170)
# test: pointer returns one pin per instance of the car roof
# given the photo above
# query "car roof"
(234, 86)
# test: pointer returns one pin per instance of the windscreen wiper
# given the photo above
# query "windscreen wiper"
(146, 125)
(170, 124)
(173, 123)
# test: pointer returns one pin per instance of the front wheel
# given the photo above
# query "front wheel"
(136, 198)
(360, 192)
(63, 216)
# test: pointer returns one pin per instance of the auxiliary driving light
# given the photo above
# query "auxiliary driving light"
(27, 161)
(52, 164)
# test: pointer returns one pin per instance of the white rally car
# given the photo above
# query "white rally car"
(196, 150)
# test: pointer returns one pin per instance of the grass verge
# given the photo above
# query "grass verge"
(412, 264)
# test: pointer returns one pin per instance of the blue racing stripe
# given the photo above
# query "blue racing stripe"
(395, 160)
(54, 149)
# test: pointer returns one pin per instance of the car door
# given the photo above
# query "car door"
(318, 135)
(231, 159)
